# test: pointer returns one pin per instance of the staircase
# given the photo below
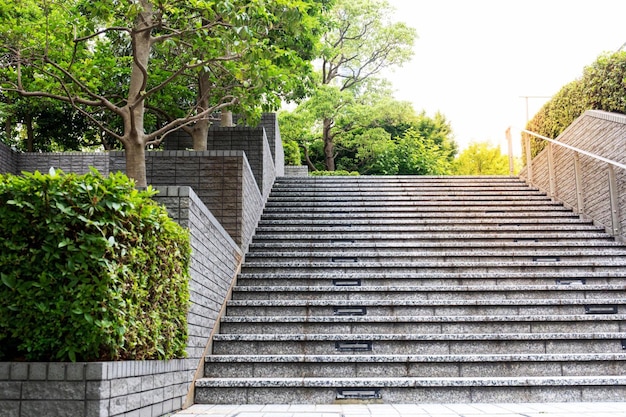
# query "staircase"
(421, 289)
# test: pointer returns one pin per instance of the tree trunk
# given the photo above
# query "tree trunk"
(199, 135)
(136, 162)
(134, 137)
(200, 131)
(30, 133)
(329, 147)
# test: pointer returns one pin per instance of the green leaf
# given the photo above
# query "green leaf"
(8, 280)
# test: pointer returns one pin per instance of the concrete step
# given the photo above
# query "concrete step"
(409, 390)
(401, 246)
(428, 292)
(426, 255)
(421, 343)
(349, 228)
(462, 324)
(403, 366)
(349, 266)
(428, 308)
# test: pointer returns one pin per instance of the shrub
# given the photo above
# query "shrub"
(91, 269)
(338, 173)
(601, 87)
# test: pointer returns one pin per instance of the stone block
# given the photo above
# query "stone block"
(37, 371)
(53, 390)
(10, 390)
(19, 371)
(53, 408)
(10, 408)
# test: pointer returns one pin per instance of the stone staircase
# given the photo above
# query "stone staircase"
(421, 289)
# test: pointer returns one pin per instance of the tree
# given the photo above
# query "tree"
(360, 41)
(373, 133)
(156, 66)
(481, 158)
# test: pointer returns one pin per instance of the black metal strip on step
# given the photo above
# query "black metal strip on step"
(354, 345)
(358, 394)
(347, 282)
(350, 311)
(526, 240)
(600, 309)
(547, 259)
(571, 281)
(346, 259)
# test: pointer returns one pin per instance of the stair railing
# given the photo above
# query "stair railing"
(578, 173)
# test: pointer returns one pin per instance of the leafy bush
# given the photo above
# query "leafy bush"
(338, 173)
(91, 269)
(602, 87)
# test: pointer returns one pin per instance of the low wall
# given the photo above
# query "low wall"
(600, 133)
(223, 181)
(77, 162)
(136, 388)
(296, 171)
(8, 160)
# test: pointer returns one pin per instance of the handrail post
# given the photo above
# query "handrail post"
(615, 215)
(510, 143)
(551, 176)
(529, 161)
(580, 197)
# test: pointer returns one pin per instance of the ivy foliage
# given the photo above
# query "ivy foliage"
(91, 269)
(601, 87)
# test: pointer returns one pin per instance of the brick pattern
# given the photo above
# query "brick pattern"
(296, 171)
(77, 162)
(222, 180)
(8, 160)
(600, 133)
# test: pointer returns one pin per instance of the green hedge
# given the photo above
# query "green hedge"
(337, 173)
(91, 269)
(601, 87)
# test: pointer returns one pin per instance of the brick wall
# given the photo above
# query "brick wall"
(222, 180)
(262, 145)
(296, 171)
(600, 133)
(8, 160)
(135, 388)
(77, 162)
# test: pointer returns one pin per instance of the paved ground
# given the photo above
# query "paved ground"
(411, 410)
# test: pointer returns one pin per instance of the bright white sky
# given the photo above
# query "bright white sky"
(474, 59)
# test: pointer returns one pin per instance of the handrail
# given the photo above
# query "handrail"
(573, 148)
(580, 204)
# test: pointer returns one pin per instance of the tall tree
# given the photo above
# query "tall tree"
(135, 58)
(360, 41)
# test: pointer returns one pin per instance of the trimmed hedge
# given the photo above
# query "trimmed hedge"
(91, 269)
(337, 173)
(602, 87)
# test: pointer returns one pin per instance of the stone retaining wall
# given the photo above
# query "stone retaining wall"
(600, 133)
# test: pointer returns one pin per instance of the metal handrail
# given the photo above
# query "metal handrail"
(615, 228)
(573, 148)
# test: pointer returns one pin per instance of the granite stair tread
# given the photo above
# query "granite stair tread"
(393, 289)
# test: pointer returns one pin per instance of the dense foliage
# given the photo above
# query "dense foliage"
(601, 87)
(482, 158)
(91, 269)
(140, 69)
(373, 134)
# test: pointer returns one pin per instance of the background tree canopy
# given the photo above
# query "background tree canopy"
(602, 86)
(140, 69)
